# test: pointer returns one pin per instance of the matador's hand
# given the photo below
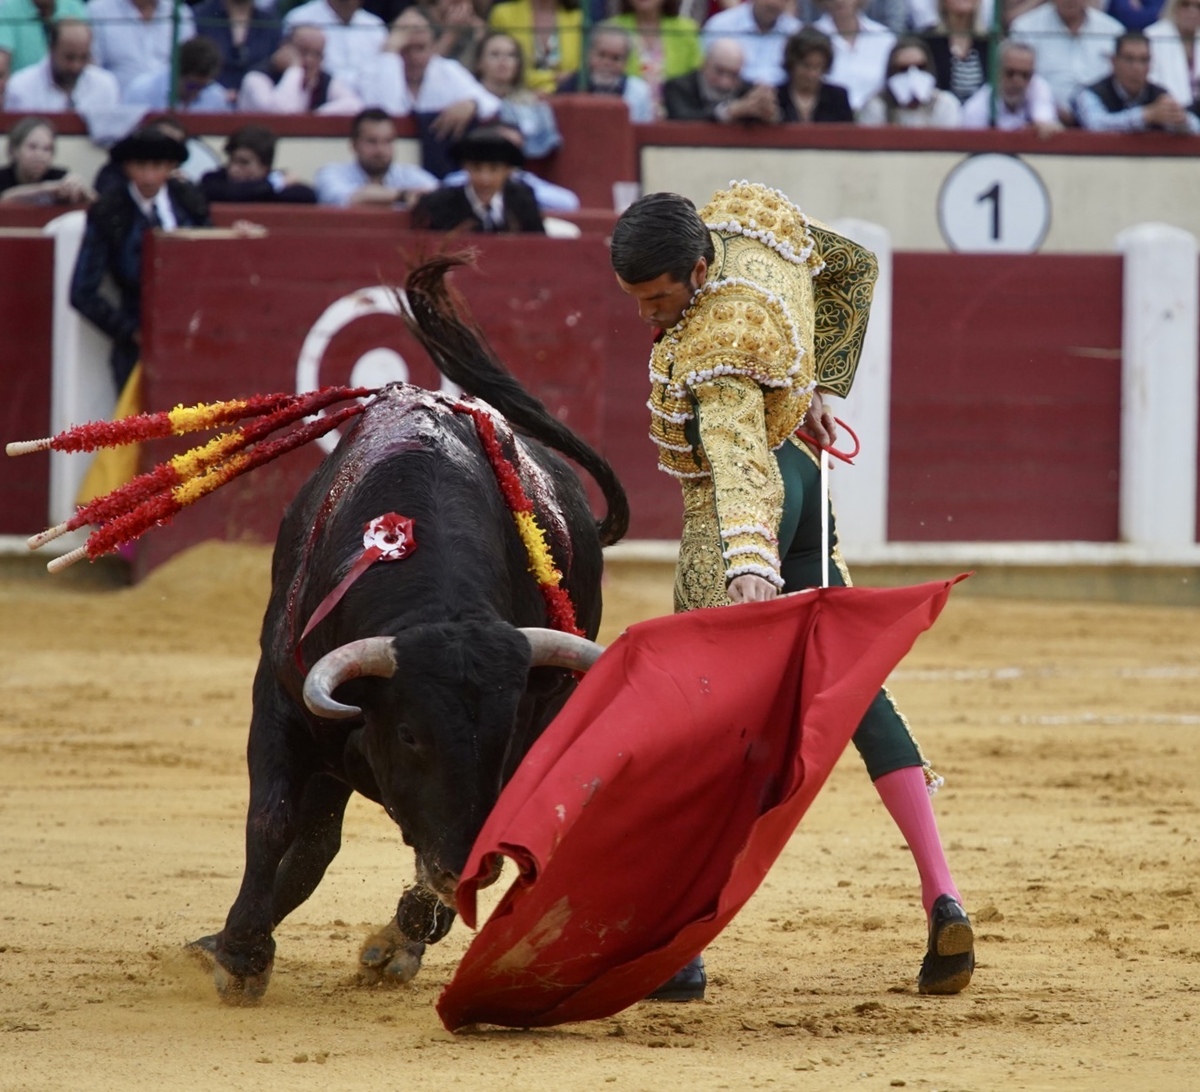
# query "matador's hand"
(749, 588)
(818, 421)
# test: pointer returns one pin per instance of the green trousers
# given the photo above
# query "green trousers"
(882, 737)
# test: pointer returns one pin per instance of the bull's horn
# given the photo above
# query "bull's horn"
(553, 648)
(371, 656)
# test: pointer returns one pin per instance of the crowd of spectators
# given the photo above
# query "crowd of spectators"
(454, 66)
(428, 56)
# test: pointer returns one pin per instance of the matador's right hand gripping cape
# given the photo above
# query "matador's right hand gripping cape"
(783, 311)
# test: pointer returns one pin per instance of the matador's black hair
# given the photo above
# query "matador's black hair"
(659, 233)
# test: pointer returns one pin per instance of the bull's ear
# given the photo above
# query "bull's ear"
(372, 656)
(553, 648)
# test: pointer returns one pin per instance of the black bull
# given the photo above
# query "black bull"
(437, 699)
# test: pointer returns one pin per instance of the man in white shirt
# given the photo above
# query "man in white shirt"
(410, 77)
(1074, 44)
(761, 28)
(294, 80)
(861, 48)
(353, 37)
(1024, 99)
(372, 178)
(64, 81)
(132, 36)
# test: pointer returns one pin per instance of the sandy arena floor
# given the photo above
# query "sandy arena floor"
(1068, 735)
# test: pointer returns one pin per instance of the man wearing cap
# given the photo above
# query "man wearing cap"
(491, 199)
(116, 226)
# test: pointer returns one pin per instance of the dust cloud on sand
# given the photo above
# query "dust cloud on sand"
(1069, 736)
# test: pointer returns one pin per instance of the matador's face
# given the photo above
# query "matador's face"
(662, 301)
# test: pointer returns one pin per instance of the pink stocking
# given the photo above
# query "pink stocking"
(906, 798)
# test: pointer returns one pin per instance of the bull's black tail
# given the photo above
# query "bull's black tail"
(464, 356)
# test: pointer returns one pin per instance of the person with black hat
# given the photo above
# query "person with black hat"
(491, 199)
(112, 243)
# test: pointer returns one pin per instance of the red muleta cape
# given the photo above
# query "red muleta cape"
(652, 807)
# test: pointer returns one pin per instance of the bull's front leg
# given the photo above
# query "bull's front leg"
(394, 953)
(280, 766)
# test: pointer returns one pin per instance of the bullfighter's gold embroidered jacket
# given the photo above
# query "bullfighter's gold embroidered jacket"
(783, 310)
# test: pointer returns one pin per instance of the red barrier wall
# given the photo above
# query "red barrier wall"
(1006, 384)
(26, 280)
(1005, 388)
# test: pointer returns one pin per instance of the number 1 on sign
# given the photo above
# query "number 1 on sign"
(992, 195)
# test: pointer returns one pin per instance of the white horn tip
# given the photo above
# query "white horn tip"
(49, 535)
(26, 447)
(60, 563)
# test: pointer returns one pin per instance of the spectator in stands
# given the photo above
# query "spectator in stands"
(196, 86)
(25, 27)
(501, 69)
(717, 92)
(293, 80)
(607, 59)
(860, 49)
(5, 73)
(762, 28)
(549, 197)
(959, 44)
(1024, 99)
(249, 174)
(491, 200)
(112, 174)
(408, 77)
(665, 44)
(911, 97)
(353, 37)
(459, 27)
(806, 96)
(29, 178)
(1126, 101)
(131, 37)
(1074, 44)
(247, 32)
(1175, 50)
(551, 37)
(64, 81)
(373, 178)
(112, 242)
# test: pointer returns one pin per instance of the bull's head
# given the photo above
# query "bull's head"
(447, 728)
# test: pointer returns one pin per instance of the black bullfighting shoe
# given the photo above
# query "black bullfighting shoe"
(950, 959)
(686, 984)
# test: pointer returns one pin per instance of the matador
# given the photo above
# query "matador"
(759, 312)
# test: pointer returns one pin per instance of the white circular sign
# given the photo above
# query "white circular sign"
(994, 204)
(375, 368)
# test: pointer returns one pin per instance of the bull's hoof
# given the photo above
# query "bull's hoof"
(389, 957)
(233, 989)
(236, 989)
